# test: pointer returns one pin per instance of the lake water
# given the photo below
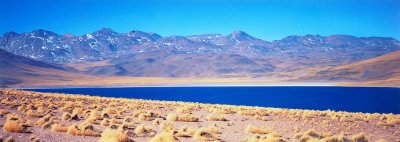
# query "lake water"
(352, 99)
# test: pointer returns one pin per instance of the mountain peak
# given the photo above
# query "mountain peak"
(239, 33)
(240, 36)
(42, 33)
(105, 31)
(137, 33)
(10, 34)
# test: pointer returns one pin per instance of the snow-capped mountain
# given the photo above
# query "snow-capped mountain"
(105, 43)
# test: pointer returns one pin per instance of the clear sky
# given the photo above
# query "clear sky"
(265, 19)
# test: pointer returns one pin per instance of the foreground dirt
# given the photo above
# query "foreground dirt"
(50, 117)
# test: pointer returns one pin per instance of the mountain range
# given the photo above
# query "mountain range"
(106, 53)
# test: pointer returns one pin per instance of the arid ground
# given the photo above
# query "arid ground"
(48, 117)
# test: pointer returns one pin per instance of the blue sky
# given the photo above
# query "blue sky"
(265, 19)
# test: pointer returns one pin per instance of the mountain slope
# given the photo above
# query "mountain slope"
(17, 69)
(386, 67)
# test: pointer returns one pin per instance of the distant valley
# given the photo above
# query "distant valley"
(44, 56)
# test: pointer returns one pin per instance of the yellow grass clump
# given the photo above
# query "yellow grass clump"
(58, 128)
(44, 120)
(204, 135)
(31, 113)
(257, 130)
(3, 112)
(166, 126)
(143, 130)
(14, 126)
(272, 137)
(85, 130)
(183, 117)
(109, 135)
(156, 122)
(66, 116)
(184, 110)
(312, 135)
(215, 117)
(393, 121)
(360, 137)
(185, 131)
(105, 122)
(164, 137)
(148, 116)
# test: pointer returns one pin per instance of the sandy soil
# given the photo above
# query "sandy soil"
(39, 113)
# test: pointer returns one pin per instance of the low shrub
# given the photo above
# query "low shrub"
(204, 135)
(185, 131)
(143, 130)
(215, 117)
(14, 126)
(164, 137)
(58, 128)
(257, 130)
(183, 117)
(109, 135)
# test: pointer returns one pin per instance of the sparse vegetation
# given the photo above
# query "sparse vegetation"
(145, 120)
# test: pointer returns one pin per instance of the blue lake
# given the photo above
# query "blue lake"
(352, 99)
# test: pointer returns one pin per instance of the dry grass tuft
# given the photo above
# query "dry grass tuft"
(66, 116)
(393, 121)
(156, 122)
(183, 117)
(204, 135)
(73, 130)
(312, 135)
(58, 128)
(169, 127)
(14, 126)
(143, 130)
(185, 131)
(44, 120)
(273, 137)
(164, 137)
(3, 112)
(109, 135)
(215, 117)
(148, 116)
(184, 110)
(84, 130)
(257, 130)
(105, 122)
(172, 117)
(360, 137)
